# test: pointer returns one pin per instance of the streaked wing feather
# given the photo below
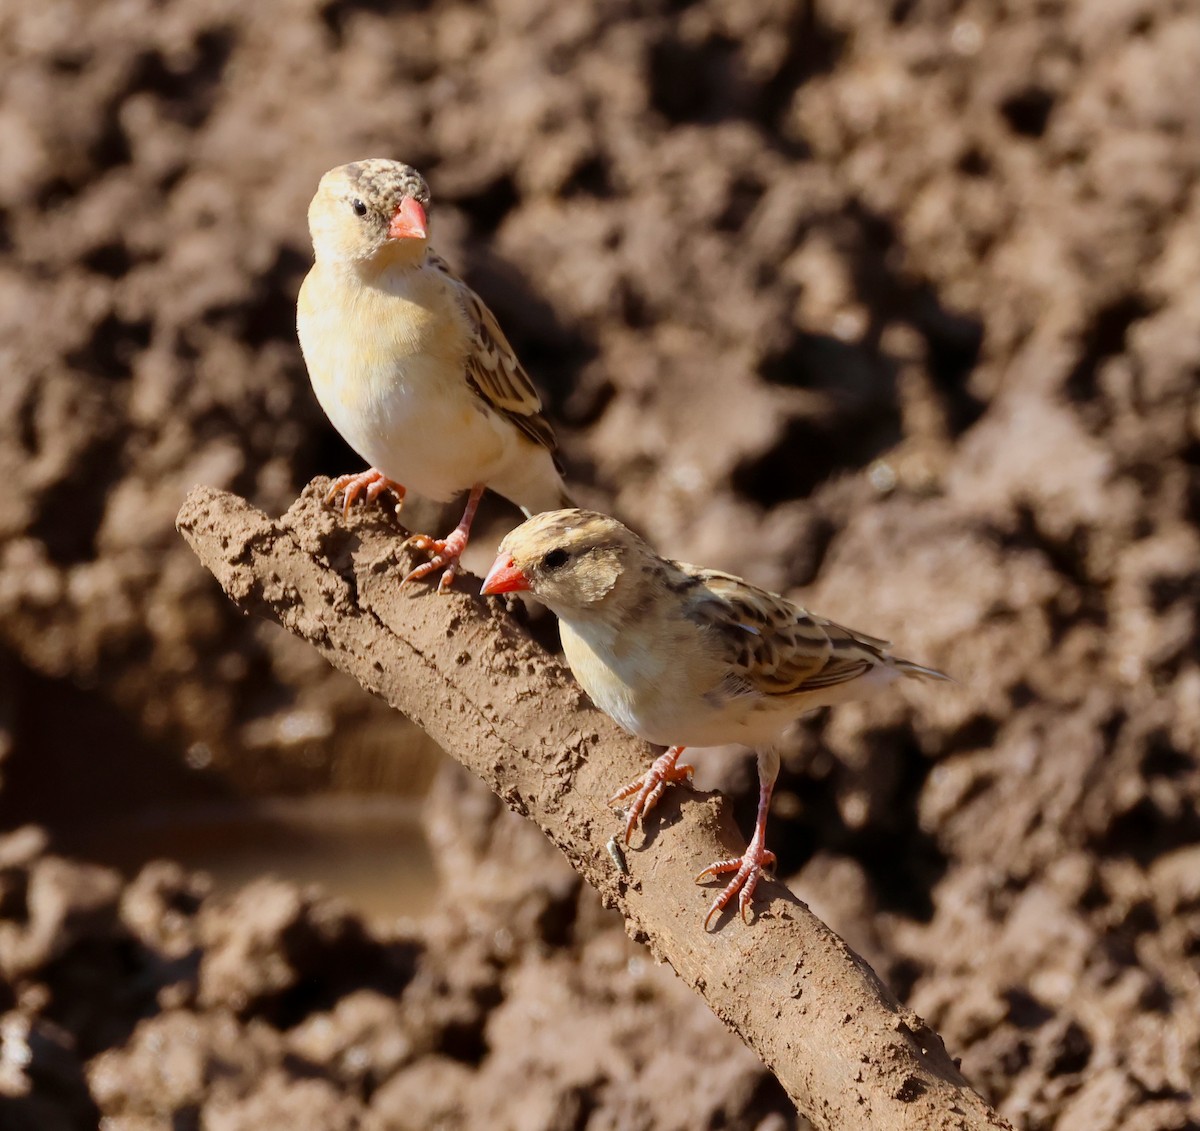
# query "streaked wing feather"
(837, 671)
(775, 647)
(492, 368)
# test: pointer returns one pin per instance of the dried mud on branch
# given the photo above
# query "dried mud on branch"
(844, 1049)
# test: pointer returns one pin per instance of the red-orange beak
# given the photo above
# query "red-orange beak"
(503, 577)
(408, 221)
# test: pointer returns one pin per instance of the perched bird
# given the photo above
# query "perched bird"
(682, 656)
(408, 363)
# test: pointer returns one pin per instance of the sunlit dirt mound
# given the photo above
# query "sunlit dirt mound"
(893, 308)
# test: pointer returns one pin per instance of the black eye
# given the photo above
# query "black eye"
(360, 209)
(555, 559)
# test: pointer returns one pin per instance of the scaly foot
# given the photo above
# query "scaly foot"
(649, 787)
(372, 481)
(446, 551)
(749, 868)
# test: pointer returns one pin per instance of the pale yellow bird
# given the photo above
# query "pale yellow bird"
(682, 656)
(408, 363)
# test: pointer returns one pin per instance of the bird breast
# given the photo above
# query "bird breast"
(386, 361)
(665, 686)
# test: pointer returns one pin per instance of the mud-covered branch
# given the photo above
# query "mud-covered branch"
(847, 1052)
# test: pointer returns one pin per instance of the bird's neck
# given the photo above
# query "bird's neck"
(387, 270)
(605, 633)
(593, 627)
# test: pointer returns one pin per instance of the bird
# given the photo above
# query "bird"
(410, 365)
(683, 656)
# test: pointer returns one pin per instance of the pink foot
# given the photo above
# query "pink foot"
(372, 481)
(749, 868)
(446, 551)
(649, 787)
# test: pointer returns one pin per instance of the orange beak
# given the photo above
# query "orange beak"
(503, 577)
(408, 221)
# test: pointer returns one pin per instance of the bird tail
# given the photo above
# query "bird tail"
(916, 671)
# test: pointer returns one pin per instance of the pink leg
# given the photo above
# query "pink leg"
(749, 866)
(446, 551)
(649, 787)
(373, 481)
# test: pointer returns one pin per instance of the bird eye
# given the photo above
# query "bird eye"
(360, 209)
(555, 559)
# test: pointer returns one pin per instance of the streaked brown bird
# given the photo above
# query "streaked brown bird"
(682, 656)
(408, 363)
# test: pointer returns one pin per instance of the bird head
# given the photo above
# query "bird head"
(371, 211)
(573, 561)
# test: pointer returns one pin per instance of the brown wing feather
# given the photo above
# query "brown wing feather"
(492, 368)
(775, 647)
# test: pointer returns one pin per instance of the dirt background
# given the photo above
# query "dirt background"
(897, 306)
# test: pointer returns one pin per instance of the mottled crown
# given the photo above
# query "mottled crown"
(383, 183)
(571, 526)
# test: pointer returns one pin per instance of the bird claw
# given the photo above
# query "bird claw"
(446, 553)
(372, 481)
(649, 787)
(749, 868)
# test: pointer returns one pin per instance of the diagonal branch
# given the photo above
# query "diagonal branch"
(846, 1051)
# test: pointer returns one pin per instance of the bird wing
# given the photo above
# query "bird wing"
(492, 368)
(774, 647)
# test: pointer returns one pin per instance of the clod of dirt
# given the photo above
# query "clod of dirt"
(898, 305)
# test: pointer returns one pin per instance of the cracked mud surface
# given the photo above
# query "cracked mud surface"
(895, 308)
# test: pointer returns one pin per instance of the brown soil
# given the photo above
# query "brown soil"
(896, 303)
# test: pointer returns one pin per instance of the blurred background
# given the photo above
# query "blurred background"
(892, 307)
